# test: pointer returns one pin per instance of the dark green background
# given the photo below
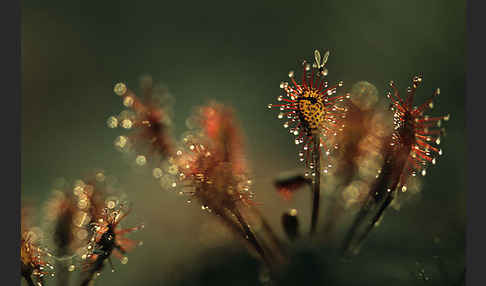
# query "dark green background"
(237, 52)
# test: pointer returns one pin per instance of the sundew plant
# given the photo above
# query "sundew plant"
(359, 156)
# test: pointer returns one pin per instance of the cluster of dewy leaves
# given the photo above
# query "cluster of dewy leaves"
(381, 154)
(208, 164)
(355, 133)
(371, 135)
(211, 166)
(376, 157)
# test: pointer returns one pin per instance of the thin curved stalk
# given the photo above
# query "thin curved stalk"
(360, 217)
(381, 191)
(250, 236)
(316, 190)
(238, 229)
(375, 219)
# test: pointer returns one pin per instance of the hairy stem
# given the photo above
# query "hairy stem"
(316, 192)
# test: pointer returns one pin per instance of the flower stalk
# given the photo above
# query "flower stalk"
(316, 187)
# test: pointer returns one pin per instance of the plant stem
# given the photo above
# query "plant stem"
(250, 236)
(386, 192)
(383, 187)
(236, 228)
(377, 193)
(376, 218)
(317, 182)
(363, 212)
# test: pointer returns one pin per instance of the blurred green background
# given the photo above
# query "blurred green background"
(73, 52)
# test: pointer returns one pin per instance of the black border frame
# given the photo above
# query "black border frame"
(475, 101)
(10, 29)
